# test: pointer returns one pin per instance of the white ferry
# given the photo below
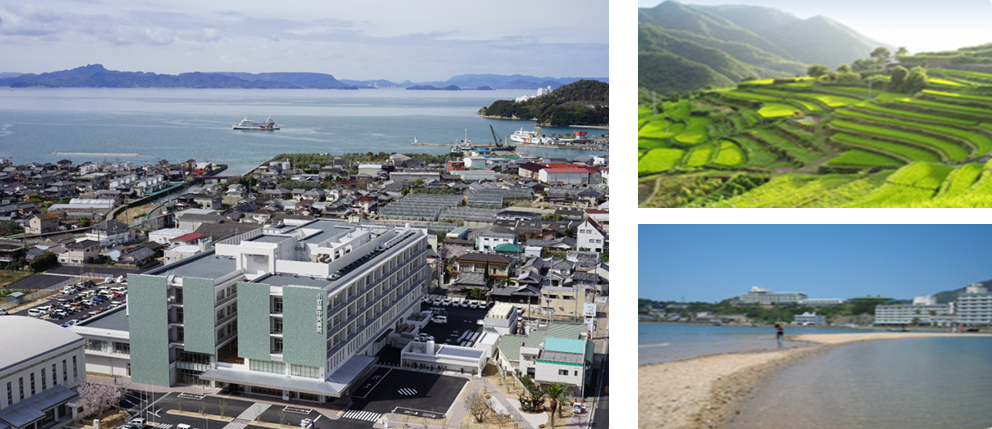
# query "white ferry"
(247, 124)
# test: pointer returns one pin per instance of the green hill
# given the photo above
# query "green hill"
(583, 102)
(717, 44)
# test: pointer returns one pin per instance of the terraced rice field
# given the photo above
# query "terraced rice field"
(814, 144)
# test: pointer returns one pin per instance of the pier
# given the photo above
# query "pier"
(95, 154)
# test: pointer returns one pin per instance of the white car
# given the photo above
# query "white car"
(474, 304)
(437, 301)
(465, 303)
(446, 302)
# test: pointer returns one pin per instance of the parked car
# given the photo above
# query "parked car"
(465, 303)
(446, 302)
(439, 319)
(140, 421)
(474, 304)
(34, 312)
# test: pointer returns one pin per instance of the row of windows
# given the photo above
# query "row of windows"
(43, 375)
(267, 366)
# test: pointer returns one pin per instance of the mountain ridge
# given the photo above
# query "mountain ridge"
(96, 75)
(749, 41)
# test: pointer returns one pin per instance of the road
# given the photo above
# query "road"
(601, 418)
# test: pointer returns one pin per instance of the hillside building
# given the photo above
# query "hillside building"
(759, 295)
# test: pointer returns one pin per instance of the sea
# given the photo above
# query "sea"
(181, 124)
(666, 343)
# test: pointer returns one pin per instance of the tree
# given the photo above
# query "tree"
(843, 68)
(881, 54)
(863, 64)
(8, 227)
(477, 406)
(817, 70)
(902, 51)
(96, 399)
(223, 406)
(282, 416)
(43, 262)
(898, 78)
(916, 81)
(556, 393)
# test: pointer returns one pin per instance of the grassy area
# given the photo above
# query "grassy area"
(860, 158)
(659, 160)
(8, 277)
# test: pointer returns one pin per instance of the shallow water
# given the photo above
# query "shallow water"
(666, 343)
(919, 383)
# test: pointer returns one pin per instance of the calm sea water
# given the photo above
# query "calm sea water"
(919, 383)
(666, 343)
(179, 124)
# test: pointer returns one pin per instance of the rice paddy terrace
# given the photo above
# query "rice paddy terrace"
(802, 143)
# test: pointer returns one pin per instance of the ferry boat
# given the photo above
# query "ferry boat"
(247, 124)
(521, 136)
(530, 137)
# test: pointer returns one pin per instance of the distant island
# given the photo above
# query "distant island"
(584, 102)
(97, 76)
(434, 88)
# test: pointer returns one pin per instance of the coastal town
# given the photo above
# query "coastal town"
(380, 290)
(968, 309)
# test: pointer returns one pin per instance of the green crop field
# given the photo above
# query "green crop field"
(777, 110)
(822, 143)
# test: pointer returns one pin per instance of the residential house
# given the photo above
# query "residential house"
(590, 236)
(80, 252)
(43, 223)
(110, 233)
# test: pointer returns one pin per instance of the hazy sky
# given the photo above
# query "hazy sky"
(715, 262)
(396, 40)
(918, 25)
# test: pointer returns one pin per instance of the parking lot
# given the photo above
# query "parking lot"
(75, 306)
(463, 328)
(406, 392)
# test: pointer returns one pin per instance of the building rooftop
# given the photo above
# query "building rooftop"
(269, 238)
(206, 266)
(283, 279)
(113, 320)
(462, 352)
(24, 338)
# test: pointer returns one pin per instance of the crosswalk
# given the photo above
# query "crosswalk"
(361, 415)
(253, 411)
(406, 391)
(163, 426)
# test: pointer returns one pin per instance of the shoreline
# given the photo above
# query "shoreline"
(705, 392)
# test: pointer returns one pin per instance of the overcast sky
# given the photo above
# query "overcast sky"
(918, 25)
(395, 40)
(715, 262)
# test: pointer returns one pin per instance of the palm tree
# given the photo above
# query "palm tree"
(556, 393)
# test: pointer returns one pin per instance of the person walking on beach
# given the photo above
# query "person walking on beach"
(779, 333)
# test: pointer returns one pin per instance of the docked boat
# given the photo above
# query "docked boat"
(521, 136)
(247, 124)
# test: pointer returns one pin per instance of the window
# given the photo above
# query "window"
(10, 393)
(55, 378)
(276, 325)
(32, 384)
(65, 373)
(267, 366)
(562, 372)
(576, 373)
(75, 369)
(20, 387)
(277, 305)
(122, 348)
(44, 381)
(277, 345)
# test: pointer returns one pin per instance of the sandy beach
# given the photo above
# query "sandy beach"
(703, 392)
